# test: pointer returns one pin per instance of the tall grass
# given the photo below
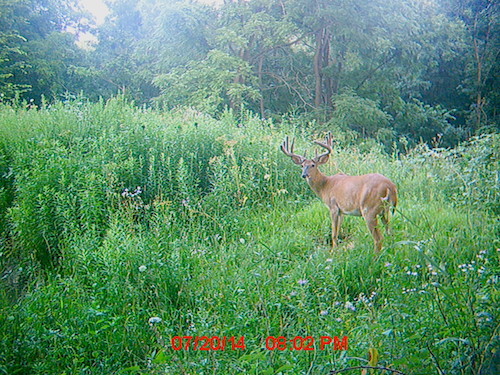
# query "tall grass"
(113, 215)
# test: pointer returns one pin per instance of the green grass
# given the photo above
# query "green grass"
(225, 239)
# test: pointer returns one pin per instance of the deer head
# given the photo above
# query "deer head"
(309, 165)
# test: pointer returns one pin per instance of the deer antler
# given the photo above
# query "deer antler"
(288, 151)
(327, 145)
(370, 195)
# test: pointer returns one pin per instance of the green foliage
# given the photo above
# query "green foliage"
(72, 167)
(417, 121)
(412, 61)
(36, 49)
(123, 228)
(359, 114)
(269, 59)
(209, 85)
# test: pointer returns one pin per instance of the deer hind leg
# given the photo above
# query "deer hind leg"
(384, 218)
(372, 224)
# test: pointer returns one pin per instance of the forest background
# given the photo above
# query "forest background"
(418, 70)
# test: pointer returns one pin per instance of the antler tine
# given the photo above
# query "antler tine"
(327, 145)
(288, 151)
(329, 139)
(285, 146)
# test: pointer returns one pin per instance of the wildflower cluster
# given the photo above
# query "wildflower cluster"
(350, 306)
(467, 267)
(479, 267)
(127, 194)
(367, 300)
(408, 290)
(431, 270)
(302, 282)
(154, 320)
(494, 279)
(411, 272)
(133, 198)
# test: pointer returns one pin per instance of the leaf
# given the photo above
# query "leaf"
(284, 368)
(130, 369)
(400, 361)
(372, 358)
(160, 357)
(252, 357)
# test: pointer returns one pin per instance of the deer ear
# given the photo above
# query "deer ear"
(322, 159)
(297, 160)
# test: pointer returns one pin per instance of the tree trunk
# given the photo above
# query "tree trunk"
(261, 87)
(321, 60)
(479, 96)
(243, 54)
(318, 74)
(328, 79)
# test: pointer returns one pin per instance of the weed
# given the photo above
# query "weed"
(123, 229)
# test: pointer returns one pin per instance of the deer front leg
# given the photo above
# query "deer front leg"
(336, 218)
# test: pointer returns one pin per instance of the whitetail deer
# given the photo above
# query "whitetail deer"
(369, 195)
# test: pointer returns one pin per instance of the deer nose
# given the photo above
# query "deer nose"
(304, 171)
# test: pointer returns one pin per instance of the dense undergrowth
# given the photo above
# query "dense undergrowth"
(122, 228)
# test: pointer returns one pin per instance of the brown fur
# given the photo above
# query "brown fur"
(370, 195)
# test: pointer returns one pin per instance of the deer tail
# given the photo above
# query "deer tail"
(390, 197)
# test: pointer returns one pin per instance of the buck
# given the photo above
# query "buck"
(370, 195)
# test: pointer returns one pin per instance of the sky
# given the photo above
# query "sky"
(99, 10)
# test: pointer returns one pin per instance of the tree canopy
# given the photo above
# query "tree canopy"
(422, 70)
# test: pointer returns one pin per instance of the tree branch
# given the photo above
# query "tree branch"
(372, 72)
(278, 47)
(290, 88)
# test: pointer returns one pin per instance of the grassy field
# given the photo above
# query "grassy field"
(124, 228)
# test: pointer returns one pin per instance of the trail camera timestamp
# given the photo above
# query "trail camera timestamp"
(307, 343)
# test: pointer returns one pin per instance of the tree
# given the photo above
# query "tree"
(36, 49)
(481, 57)
(483, 21)
(117, 62)
(225, 52)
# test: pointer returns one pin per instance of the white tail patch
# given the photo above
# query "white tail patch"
(386, 198)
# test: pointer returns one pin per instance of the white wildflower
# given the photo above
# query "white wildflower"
(350, 306)
(154, 320)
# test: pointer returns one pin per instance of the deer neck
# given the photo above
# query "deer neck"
(316, 181)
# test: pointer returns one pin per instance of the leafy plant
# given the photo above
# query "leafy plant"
(125, 228)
